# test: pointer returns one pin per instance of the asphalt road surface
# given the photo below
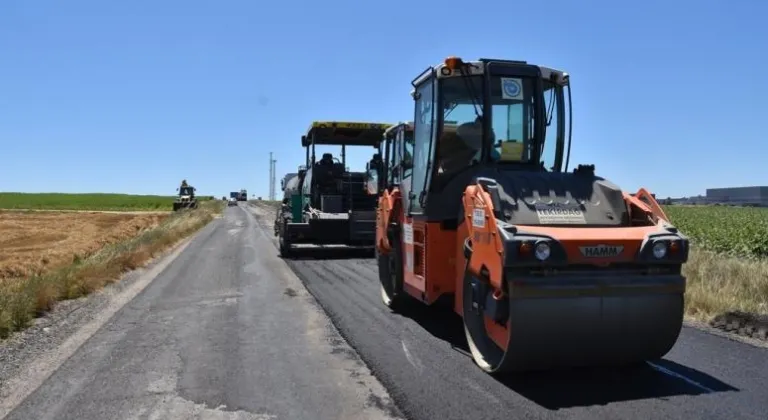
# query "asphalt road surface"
(422, 359)
(226, 331)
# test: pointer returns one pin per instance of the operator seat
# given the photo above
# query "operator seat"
(324, 174)
(326, 160)
(338, 170)
(460, 148)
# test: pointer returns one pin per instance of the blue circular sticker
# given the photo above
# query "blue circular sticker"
(511, 87)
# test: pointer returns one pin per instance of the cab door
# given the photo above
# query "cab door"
(414, 191)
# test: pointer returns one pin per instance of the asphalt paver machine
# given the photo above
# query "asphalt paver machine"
(331, 207)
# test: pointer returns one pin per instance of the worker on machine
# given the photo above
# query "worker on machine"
(375, 168)
(326, 160)
(376, 163)
(463, 147)
(326, 182)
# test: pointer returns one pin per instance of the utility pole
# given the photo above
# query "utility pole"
(271, 177)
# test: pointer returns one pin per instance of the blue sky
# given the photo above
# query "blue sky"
(133, 96)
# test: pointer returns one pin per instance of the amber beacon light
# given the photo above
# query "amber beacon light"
(453, 63)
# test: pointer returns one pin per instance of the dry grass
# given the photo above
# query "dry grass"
(719, 284)
(32, 243)
(23, 298)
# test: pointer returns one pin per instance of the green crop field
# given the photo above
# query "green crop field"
(104, 202)
(737, 231)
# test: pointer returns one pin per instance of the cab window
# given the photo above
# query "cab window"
(391, 154)
(549, 148)
(461, 137)
(512, 126)
(512, 109)
(423, 147)
(406, 149)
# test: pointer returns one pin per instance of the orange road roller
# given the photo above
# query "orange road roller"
(478, 209)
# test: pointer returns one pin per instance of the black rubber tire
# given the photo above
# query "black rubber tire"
(285, 246)
(485, 353)
(391, 275)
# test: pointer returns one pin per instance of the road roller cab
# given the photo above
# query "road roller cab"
(396, 159)
(547, 267)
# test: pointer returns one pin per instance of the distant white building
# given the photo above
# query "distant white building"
(754, 196)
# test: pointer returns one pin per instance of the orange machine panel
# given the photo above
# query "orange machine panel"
(428, 259)
(440, 261)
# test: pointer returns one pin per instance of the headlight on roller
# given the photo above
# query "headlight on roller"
(660, 249)
(542, 251)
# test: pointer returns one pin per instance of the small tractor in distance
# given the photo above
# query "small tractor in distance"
(186, 198)
(547, 268)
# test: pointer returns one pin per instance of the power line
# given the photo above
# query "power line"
(271, 177)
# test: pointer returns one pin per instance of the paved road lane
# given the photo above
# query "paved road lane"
(226, 331)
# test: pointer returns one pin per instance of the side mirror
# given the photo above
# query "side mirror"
(372, 183)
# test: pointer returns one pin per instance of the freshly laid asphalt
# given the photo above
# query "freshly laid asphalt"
(422, 359)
